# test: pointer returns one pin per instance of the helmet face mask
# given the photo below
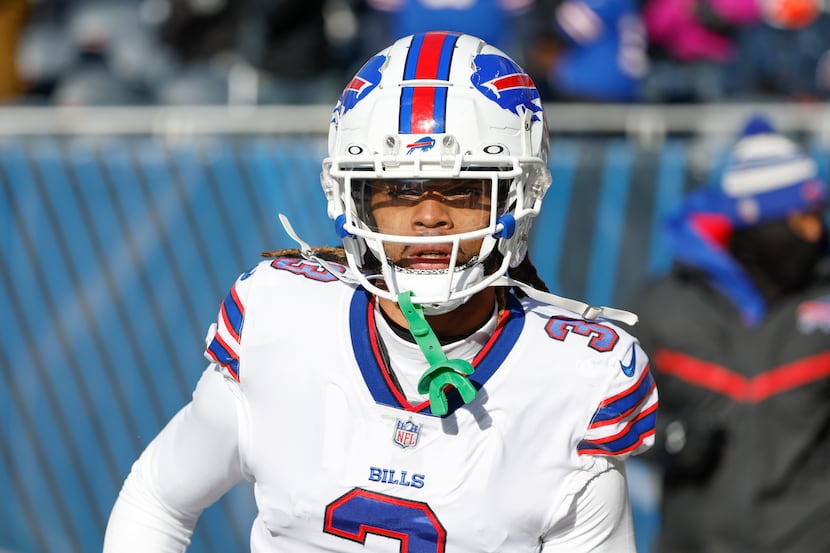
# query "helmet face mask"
(445, 118)
(376, 199)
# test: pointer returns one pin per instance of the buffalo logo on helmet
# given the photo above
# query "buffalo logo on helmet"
(424, 144)
(366, 80)
(505, 83)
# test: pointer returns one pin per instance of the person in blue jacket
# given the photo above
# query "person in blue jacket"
(588, 50)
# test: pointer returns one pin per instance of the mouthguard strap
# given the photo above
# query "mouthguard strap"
(442, 372)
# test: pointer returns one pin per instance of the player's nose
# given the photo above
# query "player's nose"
(431, 212)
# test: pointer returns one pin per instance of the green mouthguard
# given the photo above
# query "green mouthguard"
(442, 372)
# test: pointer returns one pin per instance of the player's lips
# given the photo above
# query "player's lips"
(426, 258)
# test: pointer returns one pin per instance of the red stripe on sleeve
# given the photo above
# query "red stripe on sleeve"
(627, 391)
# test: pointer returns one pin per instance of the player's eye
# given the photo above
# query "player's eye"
(458, 193)
(467, 191)
(408, 191)
(453, 191)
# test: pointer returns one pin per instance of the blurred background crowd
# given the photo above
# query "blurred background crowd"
(208, 52)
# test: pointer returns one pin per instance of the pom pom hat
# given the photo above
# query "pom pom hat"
(768, 177)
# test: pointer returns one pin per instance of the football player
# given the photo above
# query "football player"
(405, 392)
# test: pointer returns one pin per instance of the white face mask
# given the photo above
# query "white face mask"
(441, 263)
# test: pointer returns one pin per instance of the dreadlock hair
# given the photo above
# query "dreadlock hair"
(326, 253)
(524, 272)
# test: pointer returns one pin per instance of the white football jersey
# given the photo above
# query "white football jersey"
(342, 461)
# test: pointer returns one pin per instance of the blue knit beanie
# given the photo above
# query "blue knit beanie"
(768, 177)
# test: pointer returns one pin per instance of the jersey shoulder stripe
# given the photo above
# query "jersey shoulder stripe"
(224, 354)
(624, 421)
(224, 347)
(621, 405)
(232, 313)
(628, 440)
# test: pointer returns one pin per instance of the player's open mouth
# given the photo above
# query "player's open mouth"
(429, 260)
(426, 260)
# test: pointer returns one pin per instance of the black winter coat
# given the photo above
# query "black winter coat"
(744, 421)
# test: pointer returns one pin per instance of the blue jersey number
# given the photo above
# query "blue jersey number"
(600, 337)
(360, 512)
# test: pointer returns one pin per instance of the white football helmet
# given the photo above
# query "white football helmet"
(437, 107)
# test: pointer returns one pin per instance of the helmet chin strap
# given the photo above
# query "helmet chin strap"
(435, 283)
(442, 372)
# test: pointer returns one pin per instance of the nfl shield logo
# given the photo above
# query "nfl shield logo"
(406, 433)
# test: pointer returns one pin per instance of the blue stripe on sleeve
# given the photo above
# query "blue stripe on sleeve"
(223, 356)
(233, 311)
(627, 402)
(627, 442)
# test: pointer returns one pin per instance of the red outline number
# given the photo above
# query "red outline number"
(360, 512)
(601, 337)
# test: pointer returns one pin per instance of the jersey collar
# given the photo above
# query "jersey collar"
(373, 368)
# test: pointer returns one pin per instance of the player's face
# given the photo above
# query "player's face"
(423, 207)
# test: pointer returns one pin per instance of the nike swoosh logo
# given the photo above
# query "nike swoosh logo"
(628, 370)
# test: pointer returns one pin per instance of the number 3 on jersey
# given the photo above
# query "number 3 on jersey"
(601, 337)
(360, 512)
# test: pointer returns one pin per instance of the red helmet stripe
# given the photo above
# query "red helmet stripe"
(423, 108)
